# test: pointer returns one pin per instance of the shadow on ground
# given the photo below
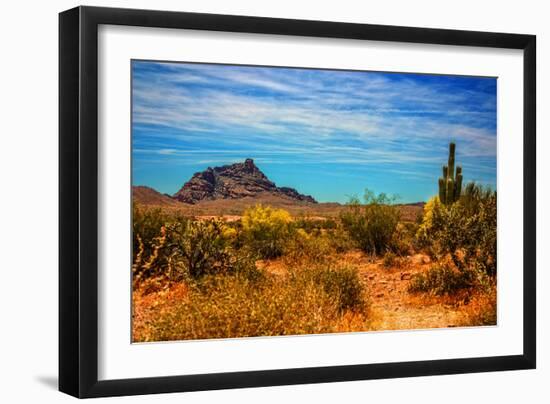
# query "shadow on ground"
(48, 381)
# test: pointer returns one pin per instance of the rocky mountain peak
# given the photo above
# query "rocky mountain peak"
(250, 166)
(234, 181)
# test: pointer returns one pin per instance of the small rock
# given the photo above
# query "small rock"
(380, 295)
(371, 277)
(405, 276)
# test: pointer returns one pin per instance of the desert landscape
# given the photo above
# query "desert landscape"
(278, 201)
(231, 254)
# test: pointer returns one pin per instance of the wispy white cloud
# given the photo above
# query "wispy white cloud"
(211, 114)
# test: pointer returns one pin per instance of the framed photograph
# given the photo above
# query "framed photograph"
(250, 201)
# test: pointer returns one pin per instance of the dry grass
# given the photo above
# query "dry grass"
(292, 302)
(307, 301)
(320, 284)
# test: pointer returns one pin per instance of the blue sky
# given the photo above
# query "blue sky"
(327, 133)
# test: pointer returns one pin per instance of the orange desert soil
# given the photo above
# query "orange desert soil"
(392, 306)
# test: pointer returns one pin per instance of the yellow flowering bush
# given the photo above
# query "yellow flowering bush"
(266, 230)
(431, 209)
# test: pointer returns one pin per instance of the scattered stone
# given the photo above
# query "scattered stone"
(405, 276)
(379, 295)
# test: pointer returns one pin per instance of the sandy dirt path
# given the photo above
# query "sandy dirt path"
(393, 307)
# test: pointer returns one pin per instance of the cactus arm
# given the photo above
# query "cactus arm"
(442, 191)
(458, 185)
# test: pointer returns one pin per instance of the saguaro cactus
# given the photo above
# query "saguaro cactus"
(450, 185)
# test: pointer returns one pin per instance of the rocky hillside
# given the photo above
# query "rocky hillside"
(235, 181)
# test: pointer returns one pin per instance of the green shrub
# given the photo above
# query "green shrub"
(189, 250)
(442, 279)
(146, 225)
(465, 230)
(303, 247)
(371, 225)
(340, 240)
(343, 284)
(390, 260)
(475, 195)
(317, 243)
(201, 247)
(403, 240)
(243, 266)
(266, 230)
(150, 259)
(311, 225)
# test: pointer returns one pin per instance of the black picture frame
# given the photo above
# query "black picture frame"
(78, 201)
